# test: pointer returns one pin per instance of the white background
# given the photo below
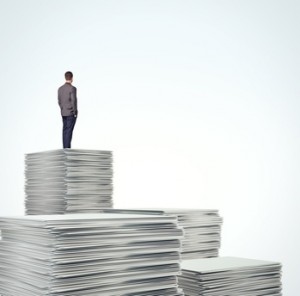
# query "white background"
(198, 100)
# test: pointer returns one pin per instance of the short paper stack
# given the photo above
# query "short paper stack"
(68, 181)
(90, 254)
(230, 276)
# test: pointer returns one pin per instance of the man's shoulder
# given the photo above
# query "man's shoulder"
(67, 86)
(62, 87)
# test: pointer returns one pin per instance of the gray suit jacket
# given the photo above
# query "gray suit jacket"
(67, 99)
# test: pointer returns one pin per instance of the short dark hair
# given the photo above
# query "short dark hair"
(68, 75)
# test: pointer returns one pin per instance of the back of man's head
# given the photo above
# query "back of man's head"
(68, 76)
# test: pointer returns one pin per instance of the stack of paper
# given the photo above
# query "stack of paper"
(230, 276)
(90, 254)
(68, 181)
(202, 229)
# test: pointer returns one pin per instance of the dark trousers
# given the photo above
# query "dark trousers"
(68, 126)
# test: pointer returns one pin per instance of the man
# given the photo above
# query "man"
(67, 100)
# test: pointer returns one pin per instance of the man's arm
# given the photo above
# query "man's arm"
(58, 98)
(74, 100)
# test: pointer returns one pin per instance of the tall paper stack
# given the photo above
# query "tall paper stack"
(68, 181)
(202, 229)
(89, 255)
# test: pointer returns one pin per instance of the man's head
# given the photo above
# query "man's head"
(69, 76)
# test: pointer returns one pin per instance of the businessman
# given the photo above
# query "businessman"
(67, 101)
